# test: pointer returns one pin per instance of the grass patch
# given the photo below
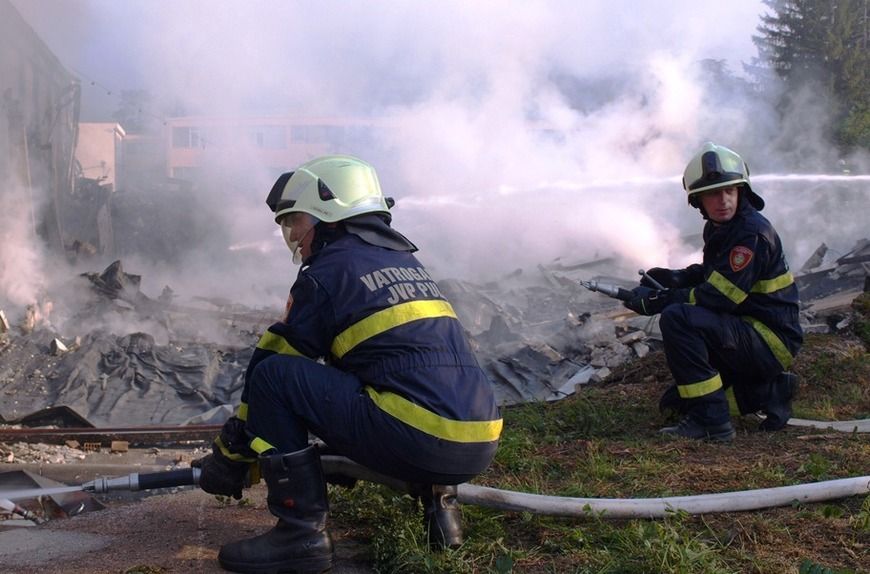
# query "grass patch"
(834, 374)
(603, 442)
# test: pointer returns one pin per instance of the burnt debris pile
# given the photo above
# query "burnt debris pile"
(116, 357)
(119, 358)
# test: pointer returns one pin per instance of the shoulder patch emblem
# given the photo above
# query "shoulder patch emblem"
(739, 258)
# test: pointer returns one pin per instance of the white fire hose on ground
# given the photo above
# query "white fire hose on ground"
(859, 425)
(621, 507)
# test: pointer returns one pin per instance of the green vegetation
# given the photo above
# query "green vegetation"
(861, 322)
(603, 443)
(824, 45)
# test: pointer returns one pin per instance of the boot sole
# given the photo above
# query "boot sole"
(722, 437)
(295, 566)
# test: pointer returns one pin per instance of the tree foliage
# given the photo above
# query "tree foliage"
(824, 44)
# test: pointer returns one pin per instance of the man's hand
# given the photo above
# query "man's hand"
(647, 301)
(665, 277)
(221, 475)
(225, 470)
(674, 278)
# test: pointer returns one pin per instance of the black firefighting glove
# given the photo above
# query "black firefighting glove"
(225, 470)
(646, 301)
(674, 278)
(220, 475)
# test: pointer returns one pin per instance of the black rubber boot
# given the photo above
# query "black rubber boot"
(442, 516)
(299, 543)
(777, 408)
(689, 428)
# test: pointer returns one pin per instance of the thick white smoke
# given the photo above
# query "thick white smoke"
(518, 132)
(22, 277)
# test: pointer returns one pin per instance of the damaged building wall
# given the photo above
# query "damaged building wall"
(87, 220)
(99, 152)
(39, 109)
(99, 163)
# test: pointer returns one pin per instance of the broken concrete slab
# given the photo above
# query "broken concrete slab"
(640, 349)
(57, 347)
(119, 446)
(632, 337)
(578, 379)
(600, 375)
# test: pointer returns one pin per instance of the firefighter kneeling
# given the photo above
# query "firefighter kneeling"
(731, 321)
(370, 358)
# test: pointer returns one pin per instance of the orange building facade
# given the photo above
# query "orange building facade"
(273, 144)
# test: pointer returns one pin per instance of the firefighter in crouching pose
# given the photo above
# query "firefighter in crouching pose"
(370, 358)
(731, 321)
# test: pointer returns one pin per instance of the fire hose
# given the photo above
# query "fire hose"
(342, 468)
(616, 291)
(572, 507)
(135, 481)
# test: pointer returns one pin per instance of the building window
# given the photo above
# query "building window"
(187, 137)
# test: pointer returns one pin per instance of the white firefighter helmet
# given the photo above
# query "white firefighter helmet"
(717, 166)
(330, 188)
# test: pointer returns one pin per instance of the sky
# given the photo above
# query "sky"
(481, 187)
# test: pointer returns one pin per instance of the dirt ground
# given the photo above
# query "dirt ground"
(180, 532)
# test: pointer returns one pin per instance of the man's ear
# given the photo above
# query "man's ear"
(695, 202)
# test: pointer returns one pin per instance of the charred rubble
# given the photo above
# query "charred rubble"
(538, 334)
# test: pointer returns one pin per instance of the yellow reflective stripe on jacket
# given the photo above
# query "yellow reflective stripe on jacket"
(780, 351)
(773, 285)
(692, 296)
(242, 413)
(700, 389)
(272, 342)
(432, 424)
(387, 319)
(727, 288)
(234, 456)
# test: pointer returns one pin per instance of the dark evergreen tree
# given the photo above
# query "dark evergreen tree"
(821, 45)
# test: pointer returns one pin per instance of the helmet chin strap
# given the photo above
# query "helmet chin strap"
(297, 253)
(295, 246)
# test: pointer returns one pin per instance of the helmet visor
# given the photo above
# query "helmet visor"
(275, 201)
(715, 167)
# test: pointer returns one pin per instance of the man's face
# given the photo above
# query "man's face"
(296, 228)
(721, 203)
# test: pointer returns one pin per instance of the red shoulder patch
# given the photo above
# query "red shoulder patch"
(739, 258)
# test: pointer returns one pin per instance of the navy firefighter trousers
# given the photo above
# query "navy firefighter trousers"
(707, 352)
(288, 395)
